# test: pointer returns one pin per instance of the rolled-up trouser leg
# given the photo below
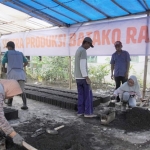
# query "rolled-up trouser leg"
(132, 102)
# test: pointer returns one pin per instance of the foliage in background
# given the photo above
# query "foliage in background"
(50, 68)
(57, 69)
(97, 73)
(54, 69)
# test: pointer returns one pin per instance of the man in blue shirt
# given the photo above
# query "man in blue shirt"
(15, 63)
(120, 63)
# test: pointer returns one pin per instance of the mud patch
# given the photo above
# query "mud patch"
(136, 119)
(69, 138)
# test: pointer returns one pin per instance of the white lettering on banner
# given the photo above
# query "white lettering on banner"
(132, 33)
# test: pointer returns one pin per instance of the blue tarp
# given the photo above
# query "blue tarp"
(68, 12)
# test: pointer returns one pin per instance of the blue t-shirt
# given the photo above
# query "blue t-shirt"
(5, 58)
(15, 60)
(120, 62)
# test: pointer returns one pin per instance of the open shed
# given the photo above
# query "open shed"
(67, 22)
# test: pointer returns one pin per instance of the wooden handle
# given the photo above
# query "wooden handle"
(142, 103)
(27, 146)
(59, 127)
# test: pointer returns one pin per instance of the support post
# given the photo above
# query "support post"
(145, 75)
(70, 75)
(146, 58)
(0, 60)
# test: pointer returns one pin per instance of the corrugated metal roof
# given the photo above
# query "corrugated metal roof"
(12, 20)
(69, 12)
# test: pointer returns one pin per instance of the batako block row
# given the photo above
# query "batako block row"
(103, 98)
(63, 98)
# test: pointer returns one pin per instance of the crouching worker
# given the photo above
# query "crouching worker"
(8, 89)
(128, 92)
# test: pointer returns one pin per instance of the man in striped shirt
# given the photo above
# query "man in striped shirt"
(8, 89)
(85, 97)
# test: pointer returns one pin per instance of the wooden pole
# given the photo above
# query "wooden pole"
(0, 61)
(70, 75)
(145, 75)
(146, 58)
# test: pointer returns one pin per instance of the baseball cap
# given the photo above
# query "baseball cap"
(10, 44)
(88, 39)
(117, 43)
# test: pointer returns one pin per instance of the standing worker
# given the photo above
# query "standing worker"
(85, 97)
(15, 63)
(8, 89)
(120, 64)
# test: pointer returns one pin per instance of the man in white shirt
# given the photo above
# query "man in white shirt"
(85, 97)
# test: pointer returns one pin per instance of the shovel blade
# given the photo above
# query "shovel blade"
(49, 131)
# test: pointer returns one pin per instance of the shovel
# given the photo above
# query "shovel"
(55, 131)
(145, 101)
(38, 132)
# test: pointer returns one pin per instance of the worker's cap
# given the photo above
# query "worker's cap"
(88, 39)
(10, 44)
(117, 43)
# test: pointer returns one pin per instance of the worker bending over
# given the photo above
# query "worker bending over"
(8, 89)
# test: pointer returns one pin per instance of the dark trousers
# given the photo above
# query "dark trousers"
(85, 97)
(118, 81)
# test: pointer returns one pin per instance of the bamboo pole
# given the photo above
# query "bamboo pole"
(146, 58)
(70, 76)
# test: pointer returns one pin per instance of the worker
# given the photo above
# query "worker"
(128, 92)
(85, 97)
(120, 64)
(8, 89)
(15, 63)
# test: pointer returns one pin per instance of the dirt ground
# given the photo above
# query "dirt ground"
(78, 134)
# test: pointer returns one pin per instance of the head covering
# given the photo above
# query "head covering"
(88, 39)
(11, 88)
(134, 88)
(117, 43)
